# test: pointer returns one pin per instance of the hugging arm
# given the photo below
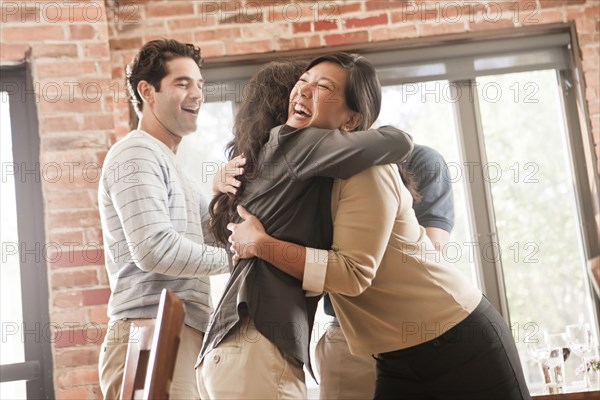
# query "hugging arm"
(363, 223)
(336, 154)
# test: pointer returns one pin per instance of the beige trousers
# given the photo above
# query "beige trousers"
(343, 375)
(246, 365)
(114, 351)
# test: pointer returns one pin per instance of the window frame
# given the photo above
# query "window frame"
(37, 369)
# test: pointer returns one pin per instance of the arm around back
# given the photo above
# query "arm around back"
(311, 152)
(365, 210)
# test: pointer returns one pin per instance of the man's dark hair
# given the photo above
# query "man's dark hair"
(150, 65)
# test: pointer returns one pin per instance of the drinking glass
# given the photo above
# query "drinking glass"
(553, 371)
(579, 337)
(538, 348)
(559, 345)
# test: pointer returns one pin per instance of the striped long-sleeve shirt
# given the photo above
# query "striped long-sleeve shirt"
(153, 222)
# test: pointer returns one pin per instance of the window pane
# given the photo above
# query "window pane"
(203, 152)
(426, 111)
(11, 311)
(534, 204)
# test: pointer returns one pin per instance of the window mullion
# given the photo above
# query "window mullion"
(485, 244)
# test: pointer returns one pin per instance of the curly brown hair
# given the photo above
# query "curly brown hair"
(264, 106)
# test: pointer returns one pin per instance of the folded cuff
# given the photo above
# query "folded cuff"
(315, 269)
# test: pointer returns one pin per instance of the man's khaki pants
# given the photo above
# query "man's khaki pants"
(114, 351)
(343, 375)
(246, 365)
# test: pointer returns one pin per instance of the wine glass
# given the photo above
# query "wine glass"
(579, 337)
(538, 348)
(558, 346)
(560, 340)
(553, 367)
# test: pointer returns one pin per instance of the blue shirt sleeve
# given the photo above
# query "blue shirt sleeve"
(429, 169)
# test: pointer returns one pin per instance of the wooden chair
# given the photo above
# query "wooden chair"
(152, 352)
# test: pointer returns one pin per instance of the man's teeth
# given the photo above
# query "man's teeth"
(191, 110)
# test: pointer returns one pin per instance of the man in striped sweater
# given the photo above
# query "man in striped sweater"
(154, 218)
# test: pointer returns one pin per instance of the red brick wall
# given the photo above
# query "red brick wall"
(78, 50)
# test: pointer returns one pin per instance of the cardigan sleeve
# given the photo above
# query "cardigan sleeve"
(363, 221)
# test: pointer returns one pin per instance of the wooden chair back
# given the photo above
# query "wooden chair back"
(152, 352)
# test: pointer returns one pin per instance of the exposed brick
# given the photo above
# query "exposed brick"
(125, 43)
(62, 200)
(559, 3)
(68, 256)
(30, 34)
(242, 17)
(98, 314)
(274, 30)
(129, 13)
(68, 357)
(325, 25)
(214, 34)
(13, 52)
(59, 124)
(423, 12)
(82, 32)
(69, 219)
(96, 296)
(60, 238)
(102, 280)
(79, 376)
(309, 42)
(347, 38)
(66, 69)
(72, 393)
(256, 46)
(593, 12)
(67, 299)
(431, 30)
(548, 16)
(301, 27)
(70, 279)
(68, 317)
(81, 180)
(11, 12)
(383, 4)
(98, 122)
(170, 8)
(587, 25)
(589, 39)
(75, 105)
(97, 393)
(483, 25)
(590, 53)
(201, 22)
(326, 11)
(54, 50)
(364, 22)
(345, 9)
(69, 142)
(381, 34)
